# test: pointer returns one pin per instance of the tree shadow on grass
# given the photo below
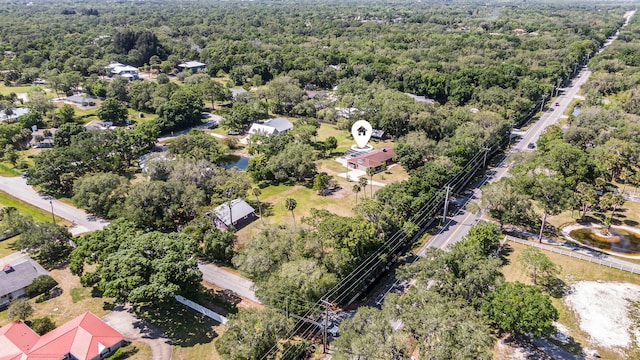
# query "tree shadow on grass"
(555, 287)
(182, 325)
(504, 254)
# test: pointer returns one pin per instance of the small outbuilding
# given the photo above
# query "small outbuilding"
(240, 215)
(81, 100)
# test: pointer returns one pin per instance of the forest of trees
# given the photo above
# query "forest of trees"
(484, 67)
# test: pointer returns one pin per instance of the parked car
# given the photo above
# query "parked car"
(234, 132)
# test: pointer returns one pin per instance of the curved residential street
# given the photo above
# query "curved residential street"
(82, 221)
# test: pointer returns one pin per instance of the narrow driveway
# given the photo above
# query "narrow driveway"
(82, 221)
(123, 319)
(225, 279)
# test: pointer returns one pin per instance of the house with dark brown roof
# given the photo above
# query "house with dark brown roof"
(374, 159)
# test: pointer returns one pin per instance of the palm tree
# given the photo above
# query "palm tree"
(257, 192)
(371, 171)
(356, 189)
(363, 183)
(290, 204)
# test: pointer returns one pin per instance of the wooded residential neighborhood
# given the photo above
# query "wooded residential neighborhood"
(156, 154)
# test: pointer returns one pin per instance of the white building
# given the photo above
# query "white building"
(271, 126)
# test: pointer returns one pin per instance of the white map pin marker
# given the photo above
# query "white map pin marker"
(361, 131)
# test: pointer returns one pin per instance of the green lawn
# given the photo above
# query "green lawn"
(6, 246)
(37, 213)
(6, 169)
(6, 90)
(192, 334)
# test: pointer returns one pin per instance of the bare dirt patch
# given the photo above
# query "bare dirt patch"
(602, 309)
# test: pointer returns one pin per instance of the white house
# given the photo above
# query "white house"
(194, 66)
(16, 274)
(13, 114)
(126, 71)
(271, 126)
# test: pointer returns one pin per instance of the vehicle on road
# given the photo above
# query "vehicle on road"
(557, 104)
(531, 145)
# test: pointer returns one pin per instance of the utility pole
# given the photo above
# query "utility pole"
(446, 204)
(486, 151)
(325, 325)
(286, 306)
(53, 217)
(544, 97)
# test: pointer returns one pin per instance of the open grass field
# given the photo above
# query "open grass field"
(6, 169)
(6, 90)
(37, 213)
(573, 270)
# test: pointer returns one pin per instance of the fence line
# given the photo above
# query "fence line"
(632, 268)
(201, 309)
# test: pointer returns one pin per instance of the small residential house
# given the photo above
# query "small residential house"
(126, 71)
(42, 138)
(271, 126)
(15, 275)
(81, 100)
(374, 159)
(193, 66)
(12, 115)
(86, 337)
(237, 91)
(379, 134)
(99, 125)
(241, 214)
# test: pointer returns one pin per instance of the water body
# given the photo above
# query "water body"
(620, 241)
(576, 110)
(231, 161)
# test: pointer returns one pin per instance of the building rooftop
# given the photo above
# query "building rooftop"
(373, 158)
(191, 64)
(239, 209)
(18, 273)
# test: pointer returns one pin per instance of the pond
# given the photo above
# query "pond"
(231, 161)
(621, 240)
(576, 110)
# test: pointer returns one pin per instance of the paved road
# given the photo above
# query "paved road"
(83, 222)
(133, 328)
(228, 280)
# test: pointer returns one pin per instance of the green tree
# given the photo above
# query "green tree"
(113, 111)
(369, 326)
(19, 309)
(291, 204)
(163, 206)
(11, 155)
(197, 145)
(321, 183)
(40, 285)
(521, 309)
(42, 325)
(505, 203)
(538, 266)
(183, 109)
(66, 113)
(252, 333)
(66, 132)
(483, 239)
(49, 241)
(331, 143)
(362, 181)
(151, 268)
(101, 194)
(257, 192)
(296, 161)
(611, 201)
(370, 172)
(356, 189)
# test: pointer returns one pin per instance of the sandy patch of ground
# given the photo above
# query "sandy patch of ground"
(602, 309)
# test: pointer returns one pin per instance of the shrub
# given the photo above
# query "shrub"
(40, 285)
(42, 325)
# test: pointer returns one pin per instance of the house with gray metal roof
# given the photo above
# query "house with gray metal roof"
(240, 215)
(271, 126)
(16, 273)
